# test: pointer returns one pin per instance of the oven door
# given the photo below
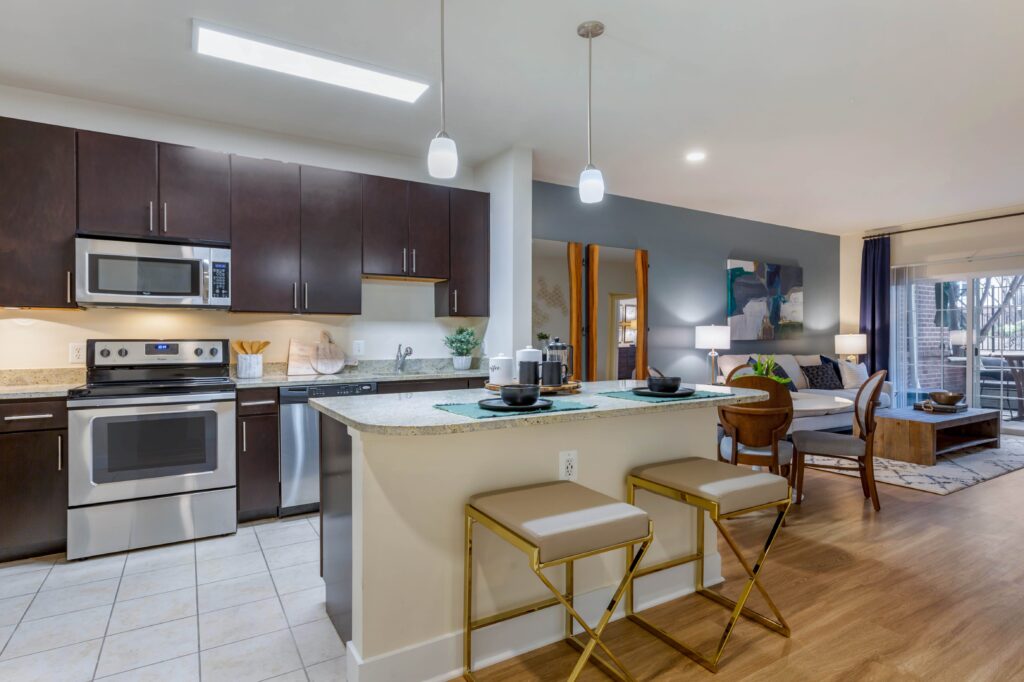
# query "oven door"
(130, 448)
(145, 274)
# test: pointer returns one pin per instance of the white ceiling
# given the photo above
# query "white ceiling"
(829, 115)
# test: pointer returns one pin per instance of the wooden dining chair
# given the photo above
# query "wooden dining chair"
(755, 433)
(740, 371)
(855, 448)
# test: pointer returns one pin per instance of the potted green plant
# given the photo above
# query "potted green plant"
(462, 344)
(765, 366)
(542, 340)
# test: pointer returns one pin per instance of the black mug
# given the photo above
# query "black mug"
(553, 373)
(529, 372)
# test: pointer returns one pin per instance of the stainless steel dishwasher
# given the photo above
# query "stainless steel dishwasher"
(300, 442)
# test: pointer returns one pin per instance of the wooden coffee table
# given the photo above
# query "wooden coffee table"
(911, 435)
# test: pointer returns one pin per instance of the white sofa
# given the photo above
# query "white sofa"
(828, 419)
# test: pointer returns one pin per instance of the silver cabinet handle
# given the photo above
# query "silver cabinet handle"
(151, 216)
(456, 301)
(405, 267)
(254, 403)
(295, 295)
(68, 286)
(60, 452)
(165, 216)
(245, 445)
(305, 295)
(414, 261)
(25, 417)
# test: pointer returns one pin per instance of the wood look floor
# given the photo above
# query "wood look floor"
(930, 588)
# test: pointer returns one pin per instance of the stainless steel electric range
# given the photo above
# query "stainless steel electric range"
(151, 446)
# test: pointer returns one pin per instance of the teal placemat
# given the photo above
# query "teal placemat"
(476, 412)
(629, 395)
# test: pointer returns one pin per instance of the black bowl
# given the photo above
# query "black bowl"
(520, 394)
(664, 384)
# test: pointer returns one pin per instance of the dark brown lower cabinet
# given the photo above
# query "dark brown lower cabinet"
(259, 491)
(33, 493)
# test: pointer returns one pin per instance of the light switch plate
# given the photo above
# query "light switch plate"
(76, 353)
(359, 347)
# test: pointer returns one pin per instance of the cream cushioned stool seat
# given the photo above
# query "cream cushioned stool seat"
(732, 487)
(563, 518)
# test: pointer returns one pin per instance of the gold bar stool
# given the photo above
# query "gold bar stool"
(556, 523)
(724, 491)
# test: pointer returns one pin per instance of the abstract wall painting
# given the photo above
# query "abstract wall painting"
(765, 300)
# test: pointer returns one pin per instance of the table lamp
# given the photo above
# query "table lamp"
(851, 345)
(713, 337)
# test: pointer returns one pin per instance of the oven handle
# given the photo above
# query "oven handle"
(183, 399)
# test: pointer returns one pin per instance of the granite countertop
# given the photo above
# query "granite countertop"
(28, 391)
(414, 414)
(272, 380)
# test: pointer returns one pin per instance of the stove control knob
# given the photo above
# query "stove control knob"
(199, 352)
(213, 352)
(123, 353)
(105, 353)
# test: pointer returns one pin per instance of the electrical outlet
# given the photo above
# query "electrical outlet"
(568, 465)
(359, 347)
(76, 353)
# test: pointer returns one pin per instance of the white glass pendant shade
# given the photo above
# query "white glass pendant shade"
(591, 185)
(442, 157)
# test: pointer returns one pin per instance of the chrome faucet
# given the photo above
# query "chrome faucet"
(400, 357)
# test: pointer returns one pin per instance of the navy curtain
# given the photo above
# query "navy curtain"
(874, 301)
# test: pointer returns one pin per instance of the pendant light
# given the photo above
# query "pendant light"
(442, 157)
(591, 180)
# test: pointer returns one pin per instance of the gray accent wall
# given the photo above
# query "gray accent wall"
(688, 250)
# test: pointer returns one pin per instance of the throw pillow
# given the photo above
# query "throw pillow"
(853, 375)
(780, 373)
(834, 364)
(822, 377)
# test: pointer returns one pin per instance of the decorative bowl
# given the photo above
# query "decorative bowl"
(945, 397)
(520, 394)
(664, 384)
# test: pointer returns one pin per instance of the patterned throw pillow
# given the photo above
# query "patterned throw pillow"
(834, 364)
(822, 377)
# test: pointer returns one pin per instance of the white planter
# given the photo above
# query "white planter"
(462, 361)
(250, 366)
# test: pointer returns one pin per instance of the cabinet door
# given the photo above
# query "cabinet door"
(264, 236)
(37, 214)
(258, 476)
(385, 226)
(428, 231)
(195, 194)
(332, 239)
(117, 188)
(33, 493)
(467, 291)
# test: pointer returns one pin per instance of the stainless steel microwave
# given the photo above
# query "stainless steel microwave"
(122, 273)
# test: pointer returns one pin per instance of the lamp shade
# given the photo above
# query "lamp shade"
(712, 337)
(591, 185)
(851, 344)
(442, 157)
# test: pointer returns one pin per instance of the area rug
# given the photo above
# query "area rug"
(952, 472)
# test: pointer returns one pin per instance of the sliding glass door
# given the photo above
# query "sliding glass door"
(998, 326)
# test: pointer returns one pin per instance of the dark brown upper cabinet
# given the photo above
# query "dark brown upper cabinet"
(265, 242)
(428, 231)
(332, 237)
(117, 185)
(195, 195)
(37, 214)
(385, 226)
(467, 291)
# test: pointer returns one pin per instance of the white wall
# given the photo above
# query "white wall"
(393, 312)
(509, 179)
(849, 283)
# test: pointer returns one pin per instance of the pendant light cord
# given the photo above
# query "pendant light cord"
(443, 119)
(590, 89)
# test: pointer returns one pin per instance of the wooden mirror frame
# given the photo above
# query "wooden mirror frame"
(593, 267)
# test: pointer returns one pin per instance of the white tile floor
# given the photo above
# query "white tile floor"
(242, 607)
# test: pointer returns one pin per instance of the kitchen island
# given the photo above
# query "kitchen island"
(396, 474)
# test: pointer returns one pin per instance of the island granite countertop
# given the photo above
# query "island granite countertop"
(414, 414)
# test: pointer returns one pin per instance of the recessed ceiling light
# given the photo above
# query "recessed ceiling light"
(264, 53)
(696, 156)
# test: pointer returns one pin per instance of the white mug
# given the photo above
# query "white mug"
(502, 370)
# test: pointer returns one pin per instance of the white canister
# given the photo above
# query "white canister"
(502, 370)
(250, 366)
(530, 354)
